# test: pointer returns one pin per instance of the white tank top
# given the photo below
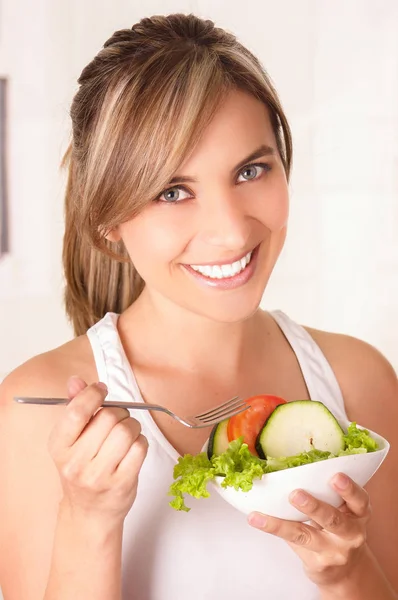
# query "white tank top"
(210, 553)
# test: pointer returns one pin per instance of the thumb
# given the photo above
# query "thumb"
(74, 386)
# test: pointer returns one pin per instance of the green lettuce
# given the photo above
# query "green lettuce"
(287, 462)
(240, 468)
(192, 473)
(359, 439)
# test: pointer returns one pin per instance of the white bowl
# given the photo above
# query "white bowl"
(270, 494)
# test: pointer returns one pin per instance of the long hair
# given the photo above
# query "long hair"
(140, 109)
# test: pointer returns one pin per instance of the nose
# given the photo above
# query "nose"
(224, 223)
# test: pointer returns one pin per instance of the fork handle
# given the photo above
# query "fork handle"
(56, 401)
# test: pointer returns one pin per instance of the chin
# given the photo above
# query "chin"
(230, 310)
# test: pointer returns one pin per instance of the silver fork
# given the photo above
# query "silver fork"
(232, 407)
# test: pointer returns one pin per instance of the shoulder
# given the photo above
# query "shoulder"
(28, 474)
(46, 374)
(367, 379)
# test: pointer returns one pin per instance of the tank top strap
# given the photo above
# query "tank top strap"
(318, 375)
(111, 362)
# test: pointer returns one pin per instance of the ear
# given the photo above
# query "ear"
(113, 235)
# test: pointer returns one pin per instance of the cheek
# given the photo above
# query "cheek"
(275, 207)
(152, 241)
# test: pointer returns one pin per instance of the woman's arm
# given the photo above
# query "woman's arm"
(370, 389)
(366, 582)
(350, 553)
(63, 541)
(86, 560)
(29, 482)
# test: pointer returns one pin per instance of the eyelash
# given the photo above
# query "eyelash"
(265, 166)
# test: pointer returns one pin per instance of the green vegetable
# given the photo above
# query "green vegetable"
(359, 438)
(298, 427)
(287, 462)
(218, 440)
(192, 474)
(236, 464)
(240, 468)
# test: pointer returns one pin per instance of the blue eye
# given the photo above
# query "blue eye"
(172, 195)
(254, 171)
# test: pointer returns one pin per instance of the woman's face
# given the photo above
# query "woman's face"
(210, 242)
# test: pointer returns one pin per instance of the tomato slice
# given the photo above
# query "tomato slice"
(250, 422)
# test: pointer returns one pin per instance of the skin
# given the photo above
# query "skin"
(86, 490)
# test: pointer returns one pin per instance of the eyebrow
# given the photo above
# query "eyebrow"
(263, 150)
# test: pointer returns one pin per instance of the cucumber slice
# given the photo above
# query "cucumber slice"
(298, 427)
(218, 441)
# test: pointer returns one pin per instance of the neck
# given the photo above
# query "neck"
(172, 336)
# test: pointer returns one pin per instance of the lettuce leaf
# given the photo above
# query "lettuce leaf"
(359, 439)
(192, 473)
(287, 462)
(240, 468)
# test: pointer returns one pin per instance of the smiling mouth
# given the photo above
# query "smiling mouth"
(226, 270)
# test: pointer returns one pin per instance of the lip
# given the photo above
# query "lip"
(227, 283)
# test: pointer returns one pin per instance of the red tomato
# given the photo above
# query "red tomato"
(250, 422)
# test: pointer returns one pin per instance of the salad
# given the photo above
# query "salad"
(269, 436)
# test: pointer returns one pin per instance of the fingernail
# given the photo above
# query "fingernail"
(257, 520)
(299, 497)
(341, 481)
(102, 386)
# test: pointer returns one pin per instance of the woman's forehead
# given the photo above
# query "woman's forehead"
(240, 126)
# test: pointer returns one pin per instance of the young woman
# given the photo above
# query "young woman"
(176, 213)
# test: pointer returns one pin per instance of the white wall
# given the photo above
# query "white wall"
(33, 54)
(336, 68)
(335, 65)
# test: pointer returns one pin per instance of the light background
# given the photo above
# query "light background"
(335, 65)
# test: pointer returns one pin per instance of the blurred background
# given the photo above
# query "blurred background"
(335, 65)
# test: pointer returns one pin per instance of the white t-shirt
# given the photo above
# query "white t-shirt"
(210, 553)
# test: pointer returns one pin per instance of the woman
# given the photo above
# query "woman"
(176, 213)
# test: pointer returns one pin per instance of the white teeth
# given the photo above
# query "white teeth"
(236, 267)
(223, 271)
(216, 272)
(227, 270)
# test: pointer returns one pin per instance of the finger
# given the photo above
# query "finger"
(77, 414)
(117, 444)
(329, 518)
(299, 534)
(74, 385)
(97, 430)
(134, 458)
(315, 525)
(355, 496)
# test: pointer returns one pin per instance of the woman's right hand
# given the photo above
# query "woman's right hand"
(98, 453)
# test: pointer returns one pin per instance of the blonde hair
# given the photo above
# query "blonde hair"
(141, 107)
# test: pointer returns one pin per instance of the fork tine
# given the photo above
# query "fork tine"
(214, 420)
(221, 414)
(220, 407)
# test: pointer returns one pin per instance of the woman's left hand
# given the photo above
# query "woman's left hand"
(331, 546)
